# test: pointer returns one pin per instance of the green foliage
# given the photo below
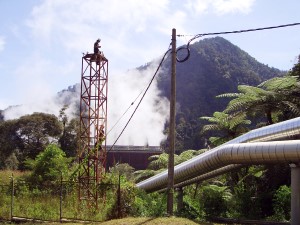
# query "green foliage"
(254, 101)
(49, 165)
(273, 100)
(9, 141)
(186, 155)
(192, 203)
(160, 161)
(141, 175)
(295, 71)
(11, 162)
(125, 206)
(35, 132)
(70, 137)
(245, 202)
(123, 169)
(216, 66)
(215, 200)
(27, 136)
(282, 204)
(227, 126)
(151, 205)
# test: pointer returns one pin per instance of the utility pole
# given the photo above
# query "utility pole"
(170, 188)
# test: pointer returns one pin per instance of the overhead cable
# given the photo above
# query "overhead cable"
(187, 47)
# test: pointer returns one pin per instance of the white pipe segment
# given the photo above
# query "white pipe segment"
(234, 153)
(280, 131)
(209, 175)
(244, 153)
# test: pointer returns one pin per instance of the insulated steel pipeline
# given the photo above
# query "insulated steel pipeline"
(271, 144)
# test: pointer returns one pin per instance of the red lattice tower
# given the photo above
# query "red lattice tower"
(93, 123)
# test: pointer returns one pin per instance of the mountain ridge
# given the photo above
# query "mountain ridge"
(215, 66)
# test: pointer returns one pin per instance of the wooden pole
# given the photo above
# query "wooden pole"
(170, 189)
(12, 197)
(60, 197)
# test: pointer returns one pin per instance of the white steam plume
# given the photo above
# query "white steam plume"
(48, 104)
(147, 124)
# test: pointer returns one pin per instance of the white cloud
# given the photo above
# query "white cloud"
(75, 18)
(2, 43)
(123, 26)
(197, 6)
(37, 78)
(219, 7)
(233, 6)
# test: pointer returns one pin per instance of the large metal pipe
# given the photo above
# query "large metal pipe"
(209, 175)
(281, 131)
(244, 153)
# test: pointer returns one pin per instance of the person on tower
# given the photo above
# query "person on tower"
(97, 46)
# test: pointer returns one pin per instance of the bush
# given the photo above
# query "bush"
(149, 205)
(48, 166)
(282, 204)
(215, 200)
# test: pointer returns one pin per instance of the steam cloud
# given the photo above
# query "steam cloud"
(145, 128)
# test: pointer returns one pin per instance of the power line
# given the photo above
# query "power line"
(162, 60)
(183, 60)
(240, 31)
(226, 32)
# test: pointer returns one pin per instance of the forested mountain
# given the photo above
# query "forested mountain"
(215, 66)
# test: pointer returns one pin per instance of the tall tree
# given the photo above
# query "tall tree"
(287, 90)
(9, 141)
(255, 102)
(69, 139)
(36, 131)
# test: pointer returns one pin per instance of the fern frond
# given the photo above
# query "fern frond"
(228, 95)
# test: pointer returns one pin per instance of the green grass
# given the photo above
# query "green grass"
(141, 221)
(5, 175)
(152, 221)
(44, 204)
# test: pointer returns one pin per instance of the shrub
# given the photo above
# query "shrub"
(48, 166)
(282, 203)
(215, 200)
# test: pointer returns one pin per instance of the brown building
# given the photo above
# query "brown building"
(135, 156)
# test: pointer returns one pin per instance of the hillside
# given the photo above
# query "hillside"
(215, 66)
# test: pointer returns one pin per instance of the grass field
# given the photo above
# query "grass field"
(135, 221)
(152, 221)
(5, 175)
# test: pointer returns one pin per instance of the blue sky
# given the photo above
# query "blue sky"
(41, 41)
